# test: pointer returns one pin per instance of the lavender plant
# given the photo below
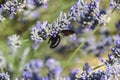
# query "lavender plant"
(33, 69)
(9, 8)
(91, 18)
(88, 15)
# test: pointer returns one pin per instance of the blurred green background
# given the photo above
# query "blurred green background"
(15, 26)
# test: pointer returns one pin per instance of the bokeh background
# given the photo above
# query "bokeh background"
(51, 13)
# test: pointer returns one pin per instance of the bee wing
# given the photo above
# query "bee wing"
(67, 32)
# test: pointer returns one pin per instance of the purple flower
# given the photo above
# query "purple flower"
(14, 42)
(4, 76)
(36, 65)
(11, 16)
(27, 74)
(54, 68)
(87, 69)
(73, 74)
(115, 3)
(32, 70)
(10, 8)
(117, 25)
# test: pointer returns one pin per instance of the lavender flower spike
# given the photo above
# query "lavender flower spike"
(4, 76)
(14, 42)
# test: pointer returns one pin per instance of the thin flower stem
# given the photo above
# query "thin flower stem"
(23, 58)
(25, 40)
(113, 9)
(98, 66)
(78, 48)
(2, 70)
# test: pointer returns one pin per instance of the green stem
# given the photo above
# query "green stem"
(98, 66)
(78, 48)
(2, 70)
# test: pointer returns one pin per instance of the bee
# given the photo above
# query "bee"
(55, 40)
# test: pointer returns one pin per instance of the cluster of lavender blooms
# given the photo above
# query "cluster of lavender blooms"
(88, 15)
(15, 43)
(112, 66)
(42, 31)
(9, 8)
(115, 3)
(33, 69)
(4, 76)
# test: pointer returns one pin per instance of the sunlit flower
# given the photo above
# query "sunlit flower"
(14, 41)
